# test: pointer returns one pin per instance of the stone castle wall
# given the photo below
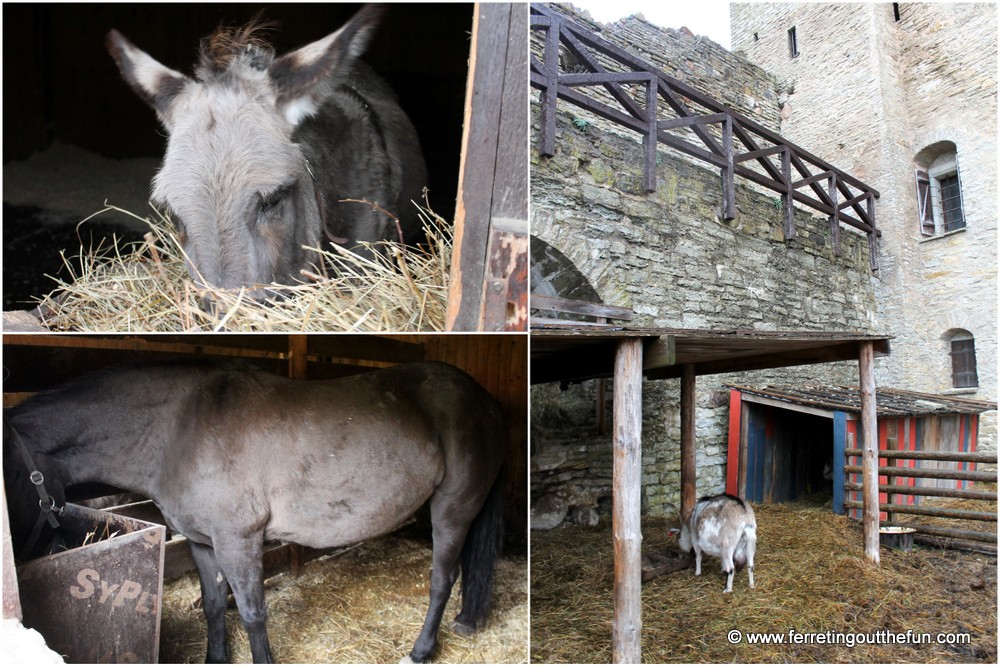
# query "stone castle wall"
(870, 100)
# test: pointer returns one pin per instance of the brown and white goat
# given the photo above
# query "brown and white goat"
(725, 527)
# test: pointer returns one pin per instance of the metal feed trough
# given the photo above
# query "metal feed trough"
(99, 602)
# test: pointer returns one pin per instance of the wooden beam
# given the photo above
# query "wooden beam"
(493, 172)
(577, 307)
(627, 494)
(869, 460)
(689, 494)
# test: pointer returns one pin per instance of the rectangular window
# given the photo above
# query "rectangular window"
(951, 203)
(895, 11)
(963, 363)
(793, 43)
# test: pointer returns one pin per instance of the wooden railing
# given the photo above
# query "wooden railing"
(982, 540)
(799, 176)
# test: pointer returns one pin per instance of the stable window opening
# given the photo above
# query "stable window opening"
(793, 43)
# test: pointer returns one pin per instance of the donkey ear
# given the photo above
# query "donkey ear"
(302, 78)
(156, 84)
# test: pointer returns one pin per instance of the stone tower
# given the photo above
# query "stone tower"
(904, 96)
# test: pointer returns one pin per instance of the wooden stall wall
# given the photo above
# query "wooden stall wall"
(499, 363)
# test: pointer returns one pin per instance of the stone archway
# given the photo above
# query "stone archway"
(554, 274)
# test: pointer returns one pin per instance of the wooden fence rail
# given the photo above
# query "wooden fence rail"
(830, 190)
(982, 540)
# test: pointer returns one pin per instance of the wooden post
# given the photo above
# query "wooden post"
(835, 216)
(689, 494)
(788, 197)
(649, 139)
(869, 456)
(729, 171)
(627, 474)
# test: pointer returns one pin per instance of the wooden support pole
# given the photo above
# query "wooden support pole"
(627, 475)
(869, 458)
(689, 494)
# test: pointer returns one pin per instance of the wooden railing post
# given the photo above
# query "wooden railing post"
(650, 140)
(873, 234)
(551, 93)
(869, 457)
(788, 197)
(835, 216)
(626, 633)
(729, 171)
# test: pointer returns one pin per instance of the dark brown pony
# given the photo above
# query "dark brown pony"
(234, 456)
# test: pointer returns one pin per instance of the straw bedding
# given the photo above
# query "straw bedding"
(811, 576)
(146, 287)
(362, 605)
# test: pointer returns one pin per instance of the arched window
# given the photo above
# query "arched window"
(962, 347)
(939, 190)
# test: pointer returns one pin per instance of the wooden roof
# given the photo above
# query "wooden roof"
(889, 402)
(578, 351)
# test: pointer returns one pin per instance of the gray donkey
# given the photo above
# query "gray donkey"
(263, 151)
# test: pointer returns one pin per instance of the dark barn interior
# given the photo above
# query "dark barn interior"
(63, 89)
(786, 454)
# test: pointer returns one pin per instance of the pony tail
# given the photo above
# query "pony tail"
(483, 546)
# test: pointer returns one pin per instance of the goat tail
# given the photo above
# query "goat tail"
(482, 548)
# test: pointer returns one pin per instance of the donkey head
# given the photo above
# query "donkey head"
(238, 187)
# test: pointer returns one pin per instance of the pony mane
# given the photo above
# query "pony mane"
(228, 45)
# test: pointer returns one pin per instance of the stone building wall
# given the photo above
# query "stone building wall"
(871, 92)
(670, 257)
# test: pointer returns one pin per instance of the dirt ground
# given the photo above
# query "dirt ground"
(811, 577)
(365, 605)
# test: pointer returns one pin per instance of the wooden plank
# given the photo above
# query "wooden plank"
(494, 165)
(577, 307)
(970, 494)
(978, 536)
(988, 476)
(505, 297)
(733, 456)
(626, 631)
(968, 457)
(689, 494)
(839, 459)
(869, 460)
(940, 512)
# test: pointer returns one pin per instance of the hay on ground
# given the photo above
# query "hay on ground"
(363, 605)
(811, 577)
(146, 287)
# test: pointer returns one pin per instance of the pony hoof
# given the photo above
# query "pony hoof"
(462, 629)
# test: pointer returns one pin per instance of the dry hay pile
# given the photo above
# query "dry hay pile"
(363, 605)
(811, 576)
(146, 287)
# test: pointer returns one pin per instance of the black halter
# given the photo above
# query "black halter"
(47, 508)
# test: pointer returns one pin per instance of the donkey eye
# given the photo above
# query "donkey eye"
(270, 202)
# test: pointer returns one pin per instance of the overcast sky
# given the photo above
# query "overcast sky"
(702, 17)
